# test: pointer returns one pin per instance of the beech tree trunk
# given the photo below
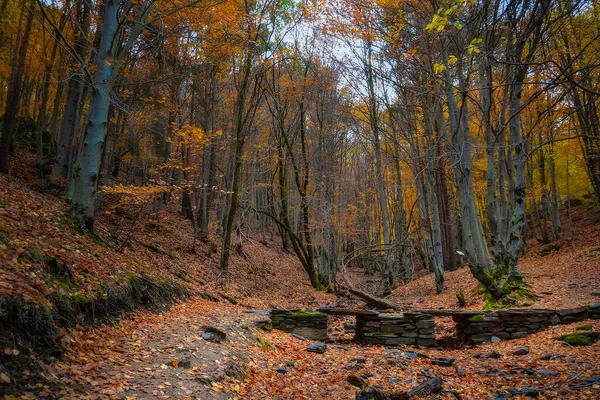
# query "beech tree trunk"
(75, 88)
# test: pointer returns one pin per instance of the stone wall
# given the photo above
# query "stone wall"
(396, 329)
(477, 328)
(306, 323)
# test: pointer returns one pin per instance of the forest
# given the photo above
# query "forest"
(163, 156)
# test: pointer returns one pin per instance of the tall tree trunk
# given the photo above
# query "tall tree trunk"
(236, 184)
(479, 260)
(87, 165)
(390, 283)
(14, 91)
(75, 88)
(554, 203)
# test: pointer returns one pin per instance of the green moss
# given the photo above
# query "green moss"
(264, 343)
(82, 299)
(5, 239)
(585, 327)
(36, 255)
(477, 318)
(517, 293)
(182, 276)
(308, 314)
(460, 296)
(578, 339)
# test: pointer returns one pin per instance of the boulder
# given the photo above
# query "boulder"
(317, 347)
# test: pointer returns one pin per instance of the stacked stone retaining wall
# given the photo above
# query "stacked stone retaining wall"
(416, 327)
(308, 324)
(396, 329)
(477, 328)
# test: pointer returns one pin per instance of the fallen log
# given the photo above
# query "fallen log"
(367, 297)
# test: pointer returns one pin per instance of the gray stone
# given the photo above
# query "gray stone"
(281, 370)
(517, 335)
(443, 361)
(392, 328)
(480, 338)
(381, 334)
(392, 316)
(548, 372)
(375, 324)
(521, 351)
(311, 333)
(411, 334)
(264, 324)
(503, 335)
(426, 336)
(495, 339)
(596, 292)
(317, 347)
(426, 342)
(425, 324)
(493, 354)
(400, 340)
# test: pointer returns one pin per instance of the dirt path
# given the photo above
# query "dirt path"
(157, 355)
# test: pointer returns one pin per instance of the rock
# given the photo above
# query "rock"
(529, 391)
(264, 324)
(317, 347)
(521, 351)
(550, 356)
(411, 355)
(214, 334)
(359, 360)
(547, 372)
(235, 369)
(460, 371)
(299, 337)
(257, 312)
(596, 292)
(580, 339)
(290, 363)
(184, 362)
(426, 342)
(311, 333)
(281, 370)
(493, 354)
(443, 361)
(495, 339)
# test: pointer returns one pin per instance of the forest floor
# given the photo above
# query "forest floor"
(162, 353)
